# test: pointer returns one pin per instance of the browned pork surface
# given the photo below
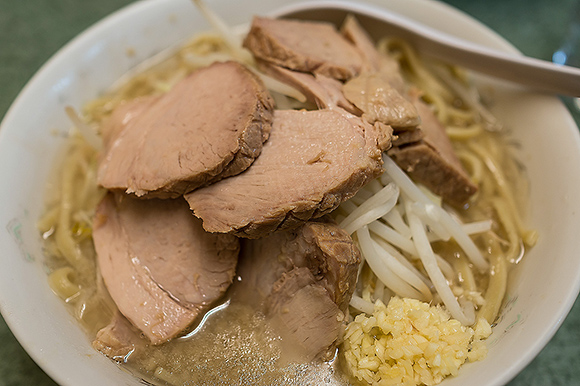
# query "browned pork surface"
(209, 126)
(405, 137)
(305, 46)
(160, 267)
(433, 162)
(305, 279)
(313, 161)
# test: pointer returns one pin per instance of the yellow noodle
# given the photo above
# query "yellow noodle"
(49, 220)
(418, 74)
(61, 282)
(69, 247)
(502, 184)
(507, 221)
(462, 267)
(463, 133)
(63, 233)
(473, 164)
(497, 284)
(475, 147)
(441, 108)
(460, 115)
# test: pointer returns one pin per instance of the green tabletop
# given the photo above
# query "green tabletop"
(32, 30)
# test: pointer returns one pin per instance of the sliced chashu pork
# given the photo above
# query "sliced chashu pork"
(313, 161)
(425, 152)
(305, 46)
(405, 137)
(379, 101)
(305, 315)
(320, 90)
(354, 33)
(378, 91)
(160, 267)
(373, 60)
(209, 126)
(432, 161)
(305, 279)
(118, 340)
(326, 93)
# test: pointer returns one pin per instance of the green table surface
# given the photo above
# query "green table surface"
(33, 30)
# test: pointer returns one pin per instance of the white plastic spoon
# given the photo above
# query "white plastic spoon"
(535, 73)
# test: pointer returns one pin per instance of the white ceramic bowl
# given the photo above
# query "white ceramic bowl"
(541, 292)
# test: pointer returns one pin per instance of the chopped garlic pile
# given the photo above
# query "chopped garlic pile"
(410, 342)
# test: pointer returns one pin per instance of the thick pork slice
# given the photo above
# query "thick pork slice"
(305, 279)
(405, 137)
(209, 126)
(304, 46)
(160, 267)
(313, 161)
(432, 161)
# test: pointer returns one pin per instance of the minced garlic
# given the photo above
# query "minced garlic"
(410, 342)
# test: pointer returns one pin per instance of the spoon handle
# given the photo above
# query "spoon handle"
(534, 73)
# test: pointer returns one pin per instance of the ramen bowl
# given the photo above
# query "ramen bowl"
(541, 290)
